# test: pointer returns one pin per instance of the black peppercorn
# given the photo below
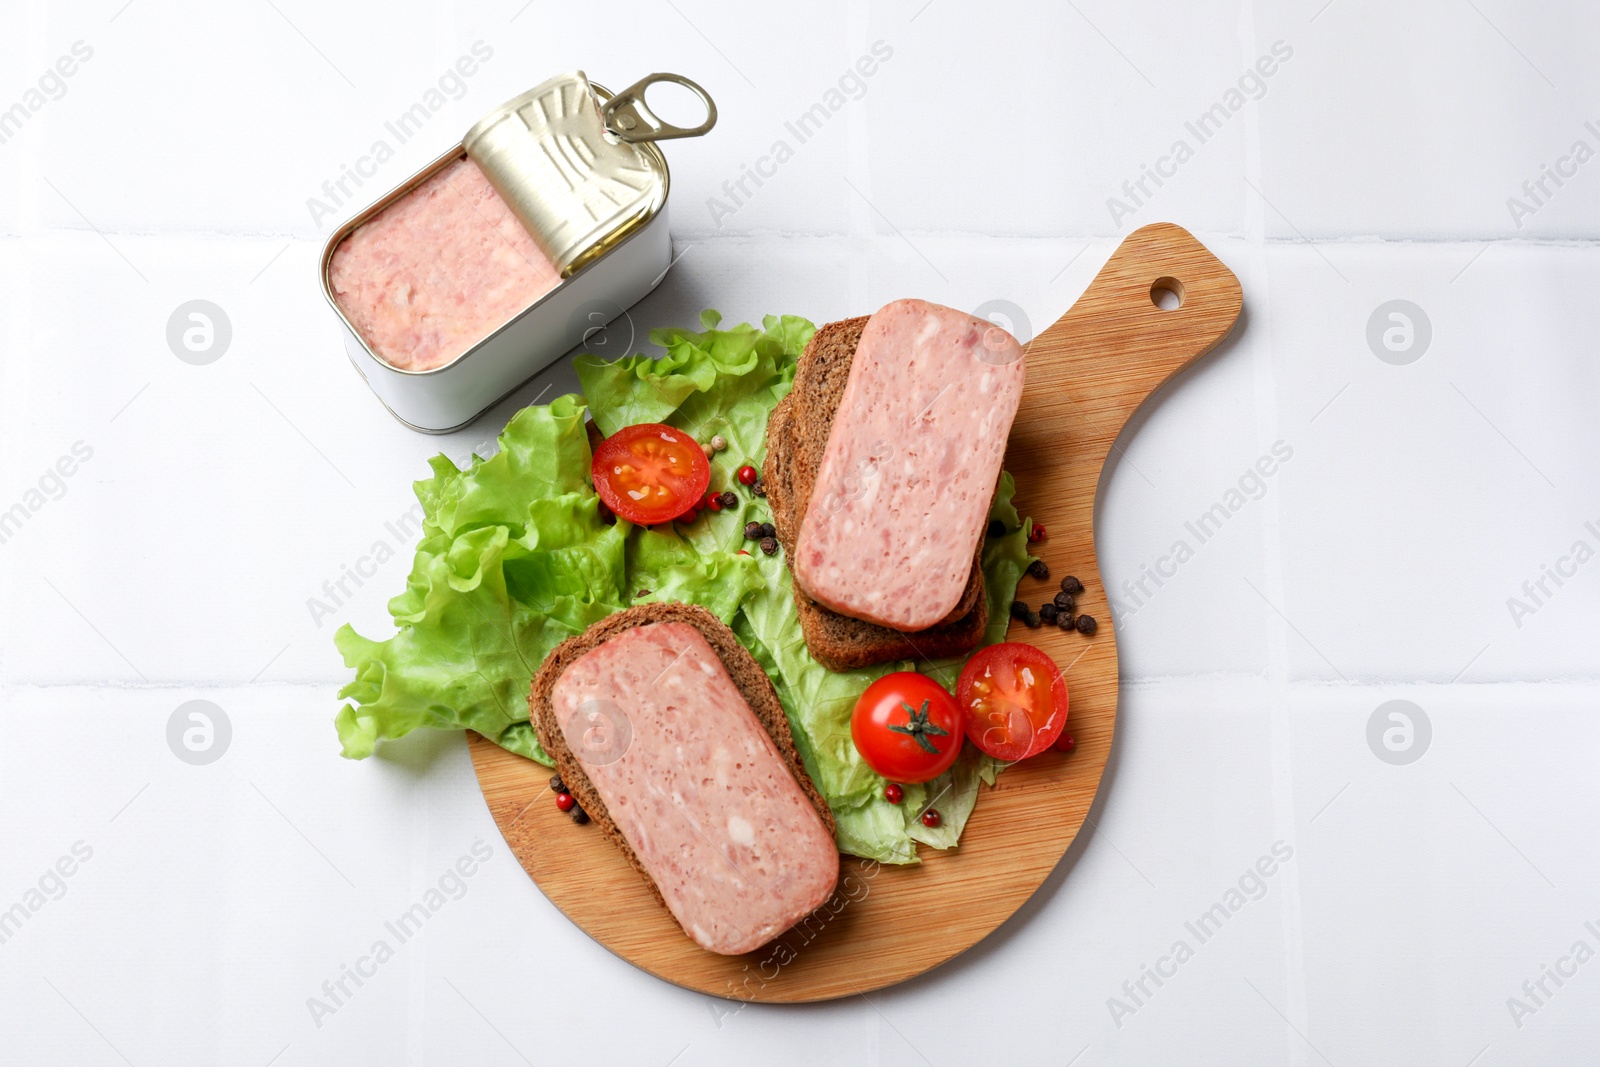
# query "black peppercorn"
(1019, 610)
(769, 545)
(997, 528)
(768, 530)
(1065, 602)
(728, 499)
(1032, 619)
(1086, 624)
(557, 785)
(579, 816)
(752, 531)
(1047, 612)
(759, 488)
(1065, 620)
(1069, 584)
(1039, 569)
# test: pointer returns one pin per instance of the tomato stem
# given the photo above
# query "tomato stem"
(919, 727)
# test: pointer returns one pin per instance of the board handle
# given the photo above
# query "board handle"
(1116, 345)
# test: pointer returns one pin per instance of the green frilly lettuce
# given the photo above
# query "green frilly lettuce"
(514, 558)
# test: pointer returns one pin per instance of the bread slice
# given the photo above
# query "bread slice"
(797, 434)
(748, 677)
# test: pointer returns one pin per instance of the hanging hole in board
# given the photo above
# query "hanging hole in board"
(1167, 294)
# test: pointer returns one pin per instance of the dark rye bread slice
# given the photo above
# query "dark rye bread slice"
(819, 380)
(840, 642)
(748, 677)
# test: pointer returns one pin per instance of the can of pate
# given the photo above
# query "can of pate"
(545, 222)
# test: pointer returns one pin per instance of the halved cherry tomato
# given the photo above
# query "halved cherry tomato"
(1015, 700)
(907, 727)
(650, 473)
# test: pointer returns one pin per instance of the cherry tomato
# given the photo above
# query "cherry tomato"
(1015, 700)
(650, 473)
(907, 727)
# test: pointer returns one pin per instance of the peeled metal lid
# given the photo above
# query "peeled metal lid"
(571, 162)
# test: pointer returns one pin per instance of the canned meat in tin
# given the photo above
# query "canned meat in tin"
(490, 263)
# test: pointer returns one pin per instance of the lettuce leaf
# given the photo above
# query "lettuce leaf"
(514, 558)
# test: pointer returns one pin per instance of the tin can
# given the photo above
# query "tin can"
(578, 169)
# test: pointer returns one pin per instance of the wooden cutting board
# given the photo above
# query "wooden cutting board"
(1087, 375)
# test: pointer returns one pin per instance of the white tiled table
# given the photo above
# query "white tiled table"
(175, 563)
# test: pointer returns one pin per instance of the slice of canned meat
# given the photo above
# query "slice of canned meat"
(695, 784)
(438, 270)
(903, 490)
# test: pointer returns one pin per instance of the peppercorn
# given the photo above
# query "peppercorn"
(1065, 602)
(893, 793)
(564, 802)
(719, 442)
(997, 528)
(1065, 743)
(742, 552)
(1019, 610)
(580, 816)
(729, 500)
(1048, 612)
(769, 545)
(1069, 584)
(747, 475)
(642, 592)
(688, 516)
(1032, 620)
(557, 785)
(752, 531)
(1037, 534)
(1086, 624)
(1065, 620)
(714, 501)
(768, 530)
(708, 450)
(1039, 569)
(931, 819)
(759, 488)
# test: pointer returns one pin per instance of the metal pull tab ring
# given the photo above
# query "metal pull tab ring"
(630, 119)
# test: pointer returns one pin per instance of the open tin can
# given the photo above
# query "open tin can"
(547, 221)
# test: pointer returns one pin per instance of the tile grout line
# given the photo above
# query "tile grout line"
(858, 156)
(1269, 429)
